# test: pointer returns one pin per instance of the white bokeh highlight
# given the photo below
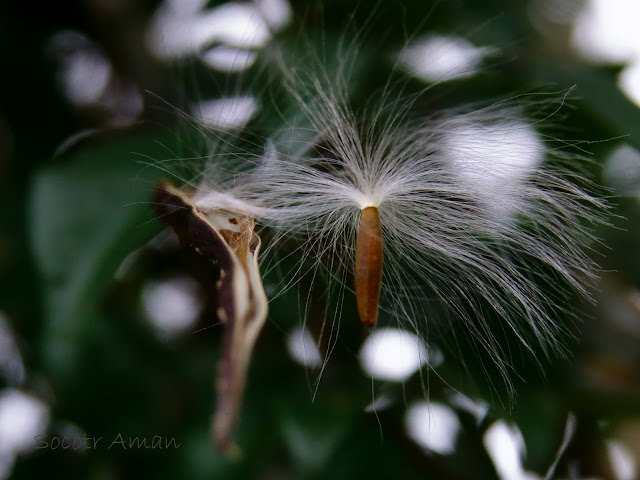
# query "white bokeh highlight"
(505, 446)
(226, 113)
(606, 31)
(84, 73)
(433, 426)
(85, 76)
(622, 170)
(381, 402)
(629, 82)
(439, 58)
(392, 354)
(88, 79)
(303, 349)
(494, 161)
(229, 59)
(172, 306)
(277, 13)
(622, 461)
(180, 29)
(477, 408)
(22, 417)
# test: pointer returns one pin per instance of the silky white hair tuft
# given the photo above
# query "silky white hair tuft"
(486, 222)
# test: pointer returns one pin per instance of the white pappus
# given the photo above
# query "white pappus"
(472, 217)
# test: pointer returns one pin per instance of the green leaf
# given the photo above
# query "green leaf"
(601, 96)
(88, 212)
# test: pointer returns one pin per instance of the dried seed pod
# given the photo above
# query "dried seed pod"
(229, 241)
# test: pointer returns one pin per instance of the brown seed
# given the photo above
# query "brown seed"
(368, 271)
